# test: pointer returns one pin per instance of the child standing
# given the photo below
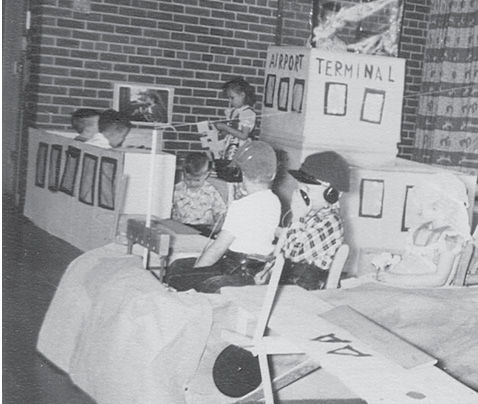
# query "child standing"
(196, 201)
(241, 116)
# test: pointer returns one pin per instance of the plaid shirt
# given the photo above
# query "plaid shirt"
(315, 238)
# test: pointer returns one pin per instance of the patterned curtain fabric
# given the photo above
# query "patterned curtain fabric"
(447, 121)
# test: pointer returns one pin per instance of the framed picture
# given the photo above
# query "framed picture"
(335, 99)
(371, 198)
(298, 95)
(283, 95)
(54, 168)
(144, 104)
(42, 156)
(372, 106)
(270, 90)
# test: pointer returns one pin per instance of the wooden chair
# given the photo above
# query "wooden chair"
(151, 239)
(463, 264)
(337, 267)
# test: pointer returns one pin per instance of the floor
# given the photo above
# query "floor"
(33, 263)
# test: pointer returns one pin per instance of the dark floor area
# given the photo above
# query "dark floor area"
(33, 263)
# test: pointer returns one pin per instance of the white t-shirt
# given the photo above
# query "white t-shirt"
(98, 139)
(252, 220)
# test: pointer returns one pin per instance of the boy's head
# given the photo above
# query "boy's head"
(257, 161)
(85, 121)
(114, 126)
(197, 168)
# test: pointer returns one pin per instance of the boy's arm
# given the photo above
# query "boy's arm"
(216, 250)
(241, 134)
(435, 279)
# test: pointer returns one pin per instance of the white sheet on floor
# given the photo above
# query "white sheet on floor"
(137, 343)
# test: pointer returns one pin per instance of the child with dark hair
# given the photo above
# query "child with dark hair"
(195, 200)
(246, 238)
(85, 122)
(241, 117)
(113, 128)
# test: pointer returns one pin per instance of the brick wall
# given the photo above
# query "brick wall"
(412, 48)
(192, 45)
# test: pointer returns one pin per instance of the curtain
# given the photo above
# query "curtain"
(447, 120)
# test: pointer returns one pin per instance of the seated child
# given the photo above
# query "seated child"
(431, 247)
(247, 235)
(316, 230)
(85, 122)
(195, 200)
(113, 128)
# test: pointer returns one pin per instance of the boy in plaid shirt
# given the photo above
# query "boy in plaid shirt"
(316, 231)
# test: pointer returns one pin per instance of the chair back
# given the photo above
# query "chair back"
(337, 267)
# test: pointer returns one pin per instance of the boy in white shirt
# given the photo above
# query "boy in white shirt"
(113, 128)
(246, 238)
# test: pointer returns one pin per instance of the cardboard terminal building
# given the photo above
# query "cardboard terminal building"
(317, 100)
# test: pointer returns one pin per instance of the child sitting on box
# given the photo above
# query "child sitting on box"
(196, 201)
(246, 237)
(432, 247)
(85, 122)
(113, 128)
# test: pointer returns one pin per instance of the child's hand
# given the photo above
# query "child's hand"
(221, 126)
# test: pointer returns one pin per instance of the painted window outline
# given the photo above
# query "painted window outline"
(298, 83)
(41, 164)
(363, 210)
(335, 106)
(270, 90)
(283, 94)
(406, 208)
(365, 110)
(101, 200)
(88, 179)
(70, 171)
(54, 168)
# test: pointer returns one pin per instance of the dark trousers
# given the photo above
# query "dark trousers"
(232, 269)
(305, 275)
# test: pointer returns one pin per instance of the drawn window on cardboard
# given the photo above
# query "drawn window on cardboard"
(372, 106)
(88, 179)
(270, 90)
(407, 215)
(283, 95)
(54, 167)
(42, 156)
(371, 198)
(107, 183)
(70, 171)
(298, 95)
(335, 99)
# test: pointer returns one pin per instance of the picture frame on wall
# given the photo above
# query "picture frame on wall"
(283, 95)
(144, 104)
(371, 198)
(335, 99)
(298, 95)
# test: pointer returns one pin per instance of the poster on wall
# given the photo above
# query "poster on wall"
(144, 104)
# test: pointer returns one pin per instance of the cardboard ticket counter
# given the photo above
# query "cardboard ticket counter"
(319, 100)
(78, 192)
